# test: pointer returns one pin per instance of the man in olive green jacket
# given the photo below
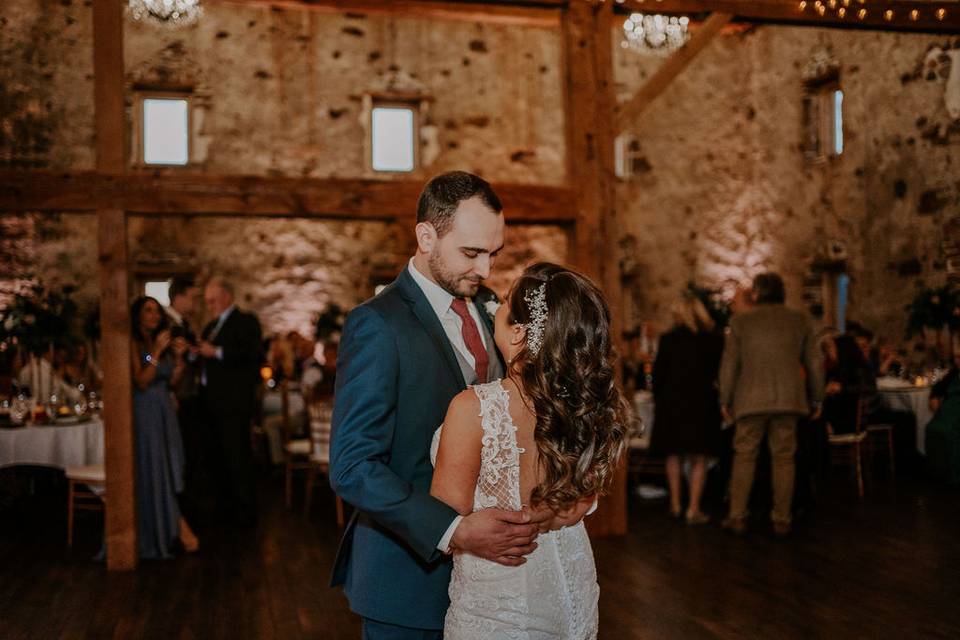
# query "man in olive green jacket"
(770, 376)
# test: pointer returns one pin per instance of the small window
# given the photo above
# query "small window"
(823, 121)
(166, 131)
(159, 289)
(393, 136)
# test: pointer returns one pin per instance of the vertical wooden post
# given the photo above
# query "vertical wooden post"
(110, 120)
(590, 103)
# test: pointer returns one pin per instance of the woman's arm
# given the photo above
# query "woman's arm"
(458, 456)
(143, 374)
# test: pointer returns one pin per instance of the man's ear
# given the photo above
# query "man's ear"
(426, 237)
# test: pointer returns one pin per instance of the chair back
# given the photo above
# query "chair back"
(321, 414)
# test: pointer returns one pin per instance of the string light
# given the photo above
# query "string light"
(803, 5)
(833, 4)
(888, 15)
(941, 14)
(914, 14)
(841, 12)
(821, 10)
(862, 14)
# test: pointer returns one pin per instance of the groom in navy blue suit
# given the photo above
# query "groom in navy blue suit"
(404, 355)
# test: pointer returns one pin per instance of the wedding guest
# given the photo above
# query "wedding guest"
(849, 380)
(230, 375)
(158, 364)
(687, 422)
(40, 377)
(942, 438)
(183, 295)
(770, 376)
(79, 369)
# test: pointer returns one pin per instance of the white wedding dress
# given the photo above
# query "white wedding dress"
(554, 594)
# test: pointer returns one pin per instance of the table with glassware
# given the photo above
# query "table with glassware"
(58, 444)
(908, 395)
(51, 434)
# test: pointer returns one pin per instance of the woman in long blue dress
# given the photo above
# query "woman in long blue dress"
(158, 365)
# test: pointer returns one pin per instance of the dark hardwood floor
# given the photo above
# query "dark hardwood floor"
(887, 567)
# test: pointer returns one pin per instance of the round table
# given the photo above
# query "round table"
(916, 400)
(60, 446)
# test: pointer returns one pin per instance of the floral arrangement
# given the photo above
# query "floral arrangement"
(38, 318)
(934, 308)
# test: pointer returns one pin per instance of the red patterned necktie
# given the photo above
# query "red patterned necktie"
(471, 337)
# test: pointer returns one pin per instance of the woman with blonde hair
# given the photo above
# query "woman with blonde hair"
(687, 419)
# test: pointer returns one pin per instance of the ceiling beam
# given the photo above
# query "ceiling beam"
(789, 12)
(516, 12)
(190, 194)
(629, 111)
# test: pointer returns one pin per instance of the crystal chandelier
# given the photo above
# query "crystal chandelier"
(168, 13)
(654, 34)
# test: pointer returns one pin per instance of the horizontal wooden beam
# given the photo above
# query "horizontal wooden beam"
(885, 15)
(628, 112)
(544, 13)
(190, 194)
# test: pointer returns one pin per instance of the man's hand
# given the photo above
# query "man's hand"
(208, 350)
(727, 417)
(500, 536)
(549, 520)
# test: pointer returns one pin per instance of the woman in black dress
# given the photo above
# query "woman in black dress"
(687, 419)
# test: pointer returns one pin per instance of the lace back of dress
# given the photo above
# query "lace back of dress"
(498, 485)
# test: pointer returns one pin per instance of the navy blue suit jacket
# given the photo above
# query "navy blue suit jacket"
(396, 375)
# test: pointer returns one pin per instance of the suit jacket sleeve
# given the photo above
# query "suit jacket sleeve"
(729, 366)
(364, 421)
(245, 345)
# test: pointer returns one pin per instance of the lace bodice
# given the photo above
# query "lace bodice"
(553, 596)
(498, 485)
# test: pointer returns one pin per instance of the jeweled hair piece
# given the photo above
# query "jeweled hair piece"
(536, 300)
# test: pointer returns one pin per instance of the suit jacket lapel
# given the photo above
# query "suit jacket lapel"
(431, 323)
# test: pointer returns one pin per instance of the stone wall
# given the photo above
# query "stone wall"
(724, 190)
(278, 92)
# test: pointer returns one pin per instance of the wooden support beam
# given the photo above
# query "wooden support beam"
(515, 12)
(629, 111)
(110, 121)
(927, 18)
(589, 104)
(199, 194)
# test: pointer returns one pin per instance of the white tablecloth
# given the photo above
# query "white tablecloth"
(53, 446)
(916, 400)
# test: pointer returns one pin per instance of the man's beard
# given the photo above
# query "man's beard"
(456, 285)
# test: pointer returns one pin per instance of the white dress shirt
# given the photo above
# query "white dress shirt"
(440, 300)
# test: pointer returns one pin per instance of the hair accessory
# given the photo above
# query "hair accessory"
(536, 300)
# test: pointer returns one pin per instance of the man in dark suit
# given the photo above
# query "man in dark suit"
(231, 353)
(183, 295)
(403, 356)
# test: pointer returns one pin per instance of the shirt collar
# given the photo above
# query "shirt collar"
(226, 313)
(175, 315)
(439, 298)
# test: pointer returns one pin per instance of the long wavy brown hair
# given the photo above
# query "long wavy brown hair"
(570, 385)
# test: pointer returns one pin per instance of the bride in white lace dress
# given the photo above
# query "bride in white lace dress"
(548, 436)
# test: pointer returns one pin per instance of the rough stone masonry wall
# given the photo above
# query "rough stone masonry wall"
(725, 190)
(280, 93)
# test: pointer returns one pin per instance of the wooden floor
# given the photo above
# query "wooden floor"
(888, 567)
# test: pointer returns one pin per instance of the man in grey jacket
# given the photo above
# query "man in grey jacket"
(770, 377)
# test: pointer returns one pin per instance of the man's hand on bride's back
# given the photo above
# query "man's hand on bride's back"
(549, 520)
(500, 536)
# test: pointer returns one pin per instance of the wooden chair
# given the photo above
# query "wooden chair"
(84, 491)
(850, 445)
(877, 433)
(296, 451)
(320, 413)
